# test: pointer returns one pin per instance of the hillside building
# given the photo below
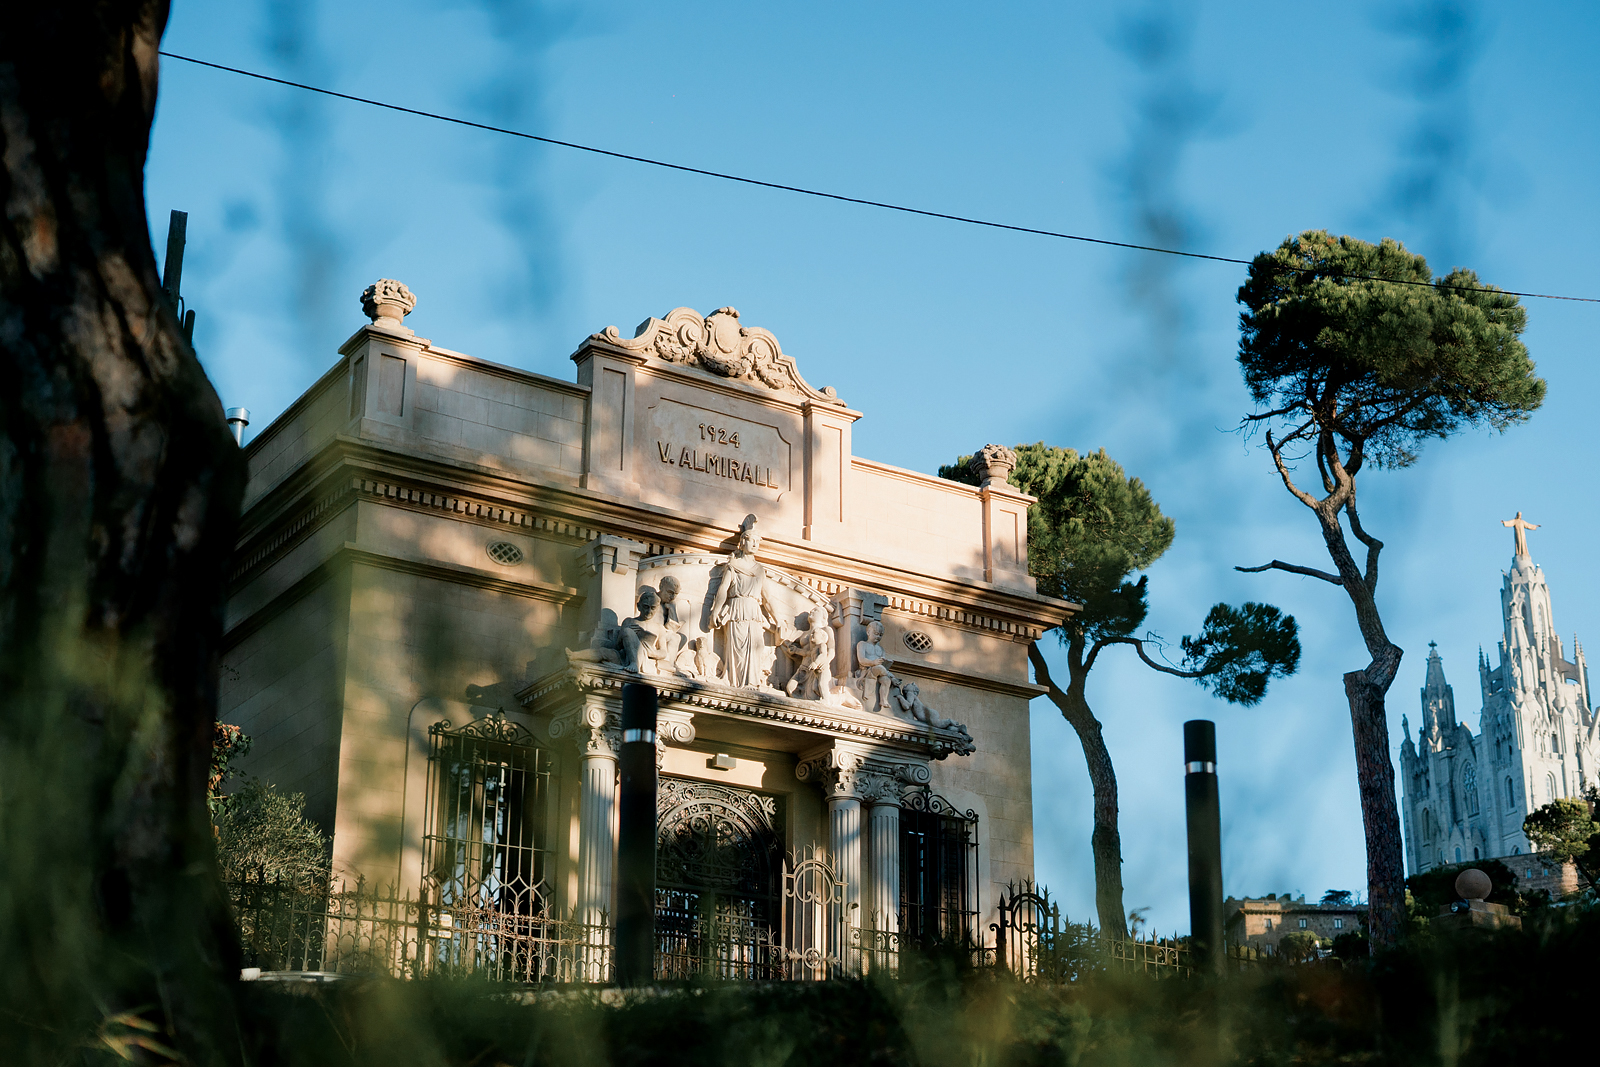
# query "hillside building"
(448, 568)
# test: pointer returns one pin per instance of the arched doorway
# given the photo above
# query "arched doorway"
(719, 879)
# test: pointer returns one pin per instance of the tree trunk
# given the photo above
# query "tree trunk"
(1386, 878)
(1365, 691)
(119, 491)
(1106, 841)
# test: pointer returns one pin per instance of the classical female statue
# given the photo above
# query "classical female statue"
(741, 610)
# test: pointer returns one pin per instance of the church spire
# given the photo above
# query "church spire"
(1438, 699)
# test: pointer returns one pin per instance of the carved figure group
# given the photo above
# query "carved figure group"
(653, 641)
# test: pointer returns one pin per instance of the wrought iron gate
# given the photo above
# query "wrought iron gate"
(814, 921)
(719, 882)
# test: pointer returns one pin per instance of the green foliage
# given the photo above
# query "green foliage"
(1351, 945)
(1342, 897)
(1092, 527)
(264, 835)
(228, 743)
(1241, 649)
(1379, 364)
(1565, 830)
(1473, 1002)
(1298, 946)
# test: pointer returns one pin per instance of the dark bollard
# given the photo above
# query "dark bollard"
(636, 838)
(1205, 845)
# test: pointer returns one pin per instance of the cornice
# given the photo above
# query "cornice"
(1003, 686)
(559, 689)
(477, 494)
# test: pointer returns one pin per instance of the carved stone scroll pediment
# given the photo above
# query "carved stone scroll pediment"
(718, 344)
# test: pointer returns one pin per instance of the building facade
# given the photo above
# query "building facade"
(1466, 794)
(448, 568)
(1263, 922)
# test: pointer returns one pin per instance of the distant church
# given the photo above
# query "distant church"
(1466, 795)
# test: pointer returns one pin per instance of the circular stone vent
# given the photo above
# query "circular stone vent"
(505, 553)
(917, 641)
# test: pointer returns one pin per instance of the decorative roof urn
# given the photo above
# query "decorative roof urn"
(386, 302)
(993, 463)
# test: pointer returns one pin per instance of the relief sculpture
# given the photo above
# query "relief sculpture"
(730, 620)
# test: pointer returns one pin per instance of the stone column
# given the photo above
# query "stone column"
(596, 734)
(834, 770)
(883, 869)
(844, 841)
(597, 833)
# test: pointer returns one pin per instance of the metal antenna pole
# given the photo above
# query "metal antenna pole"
(1205, 845)
(172, 272)
(172, 267)
(636, 838)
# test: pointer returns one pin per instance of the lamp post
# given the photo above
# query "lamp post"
(636, 838)
(1205, 845)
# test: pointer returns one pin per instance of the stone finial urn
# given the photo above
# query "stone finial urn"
(1472, 911)
(387, 302)
(993, 462)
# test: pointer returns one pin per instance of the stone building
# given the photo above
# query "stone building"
(1466, 794)
(1263, 922)
(448, 568)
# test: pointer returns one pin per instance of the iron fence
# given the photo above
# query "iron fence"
(1036, 944)
(317, 928)
(359, 930)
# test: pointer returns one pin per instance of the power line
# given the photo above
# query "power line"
(838, 196)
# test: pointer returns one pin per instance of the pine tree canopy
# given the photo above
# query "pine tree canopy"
(1092, 527)
(1334, 346)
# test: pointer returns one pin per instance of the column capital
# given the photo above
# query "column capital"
(592, 730)
(833, 771)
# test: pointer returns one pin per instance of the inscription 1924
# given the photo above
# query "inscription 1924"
(723, 466)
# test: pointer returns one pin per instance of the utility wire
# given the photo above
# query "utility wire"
(839, 196)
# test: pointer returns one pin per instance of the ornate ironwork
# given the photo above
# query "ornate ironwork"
(938, 870)
(487, 818)
(814, 941)
(719, 859)
(321, 929)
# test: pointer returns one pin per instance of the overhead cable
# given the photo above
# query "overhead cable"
(839, 196)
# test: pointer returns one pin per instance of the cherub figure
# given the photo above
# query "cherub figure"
(644, 637)
(673, 615)
(873, 678)
(909, 697)
(707, 664)
(812, 649)
(605, 644)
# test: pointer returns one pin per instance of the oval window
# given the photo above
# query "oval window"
(917, 641)
(505, 553)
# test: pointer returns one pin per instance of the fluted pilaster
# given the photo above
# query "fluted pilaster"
(883, 865)
(844, 841)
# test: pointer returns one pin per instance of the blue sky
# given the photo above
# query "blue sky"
(1458, 128)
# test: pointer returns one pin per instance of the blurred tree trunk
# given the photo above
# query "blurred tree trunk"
(119, 491)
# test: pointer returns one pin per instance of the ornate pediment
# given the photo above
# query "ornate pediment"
(718, 344)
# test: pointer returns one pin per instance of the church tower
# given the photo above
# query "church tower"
(1466, 795)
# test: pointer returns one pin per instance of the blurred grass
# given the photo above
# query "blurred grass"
(1501, 997)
